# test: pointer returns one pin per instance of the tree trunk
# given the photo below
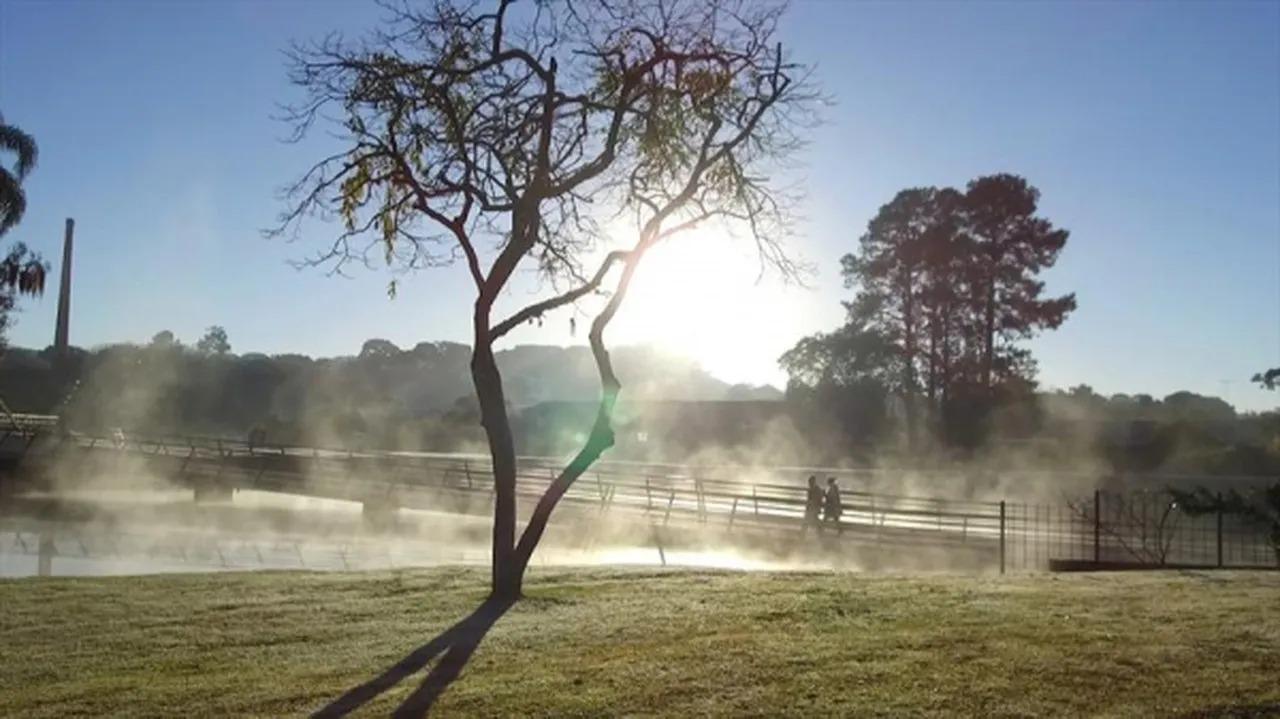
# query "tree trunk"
(946, 355)
(909, 370)
(508, 574)
(497, 427)
(935, 332)
(601, 439)
(989, 346)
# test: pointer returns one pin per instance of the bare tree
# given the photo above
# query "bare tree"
(510, 138)
(1142, 524)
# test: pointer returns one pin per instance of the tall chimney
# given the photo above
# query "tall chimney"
(60, 335)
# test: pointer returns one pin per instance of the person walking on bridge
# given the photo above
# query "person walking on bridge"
(813, 505)
(832, 505)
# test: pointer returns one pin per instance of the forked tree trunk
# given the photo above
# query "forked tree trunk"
(511, 561)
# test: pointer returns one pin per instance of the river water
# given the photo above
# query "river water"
(105, 533)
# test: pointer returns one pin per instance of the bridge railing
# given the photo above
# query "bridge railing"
(680, 492)
(1023, 534)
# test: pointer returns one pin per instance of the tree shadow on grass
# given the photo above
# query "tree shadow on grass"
(454, 646)
(1267, 710)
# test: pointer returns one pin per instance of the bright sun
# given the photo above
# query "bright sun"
(700, 294)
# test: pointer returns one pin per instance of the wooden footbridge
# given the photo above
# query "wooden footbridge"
(39, 457)
(36, 456)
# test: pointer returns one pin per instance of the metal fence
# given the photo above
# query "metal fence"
(1133, 530)
(1118, 529)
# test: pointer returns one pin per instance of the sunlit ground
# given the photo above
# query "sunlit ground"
(703, 559)
(648, 642)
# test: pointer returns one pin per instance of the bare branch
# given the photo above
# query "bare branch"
(540, 308)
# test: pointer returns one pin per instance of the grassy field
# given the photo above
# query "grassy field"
(678, 643)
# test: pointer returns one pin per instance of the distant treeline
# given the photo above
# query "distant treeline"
(421, 398)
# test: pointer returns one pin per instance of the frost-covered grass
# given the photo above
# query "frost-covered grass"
(599, 642)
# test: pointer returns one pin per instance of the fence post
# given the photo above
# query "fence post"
(1002, 536)
(1219, 503)
(657, 540)
(45, 554)
(1097, 525)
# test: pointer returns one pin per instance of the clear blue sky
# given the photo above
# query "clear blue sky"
(1152, 129)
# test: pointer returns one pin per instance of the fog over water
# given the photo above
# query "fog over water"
(129, 533)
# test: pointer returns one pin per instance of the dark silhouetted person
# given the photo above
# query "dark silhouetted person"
(831, 504)
(813, 505)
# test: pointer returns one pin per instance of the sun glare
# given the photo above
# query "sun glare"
(701, 295)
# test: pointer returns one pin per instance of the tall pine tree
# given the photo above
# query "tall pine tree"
(1010, 246)
(950, 282)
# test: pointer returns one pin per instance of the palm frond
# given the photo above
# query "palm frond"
(13, 201)
(23, 270)
(22, 145)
